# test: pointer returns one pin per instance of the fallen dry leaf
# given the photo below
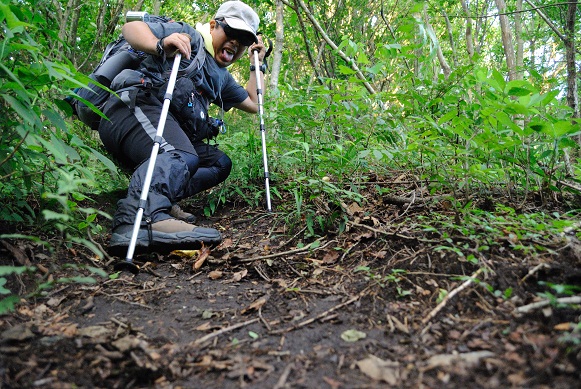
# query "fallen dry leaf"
(204, 327)
(280, 282)
(127, 343)
(70, 330)
(334, 384)
(256, 305)
(227, 243)
(93, 331)
(398, 324)
(469, 359)
(187, 254)
(330, 257)
(204, 253)
(215, 274)
(354, 208)
(19, 332)
(564, 327)
(353, 335)
(238, 276)
(380, 370)
(55, 301)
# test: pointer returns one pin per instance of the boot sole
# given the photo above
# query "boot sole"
(162, 242)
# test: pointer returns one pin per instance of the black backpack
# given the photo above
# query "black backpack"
(118, 56)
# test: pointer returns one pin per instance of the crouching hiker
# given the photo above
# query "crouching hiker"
(187, 163)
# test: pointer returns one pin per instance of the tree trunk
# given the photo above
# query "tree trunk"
(304, 34)
(507, 40)
(156, 7)
(350, 61)
(519, 40)
(468, 33)
(139, 6)
(443, 62)
(568, 38)
(68, 22)
(450, 32)
(278, 46)
(572, 95)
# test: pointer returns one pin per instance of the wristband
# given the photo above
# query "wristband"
(159, 48)
(262, 68)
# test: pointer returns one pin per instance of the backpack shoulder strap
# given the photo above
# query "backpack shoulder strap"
(197, 62)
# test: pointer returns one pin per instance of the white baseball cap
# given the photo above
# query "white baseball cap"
(239, 16)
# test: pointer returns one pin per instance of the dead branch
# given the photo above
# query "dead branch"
(223, 331)
(320, 316)
(568, 185)
(350, 61)
(533, 271)
(284, 376)
(453, 293)
(543, 303)
(393, 234)
(289, 252)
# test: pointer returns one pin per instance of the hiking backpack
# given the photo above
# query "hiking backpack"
(118, 56)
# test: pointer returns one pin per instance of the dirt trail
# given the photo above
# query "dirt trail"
(271, 309)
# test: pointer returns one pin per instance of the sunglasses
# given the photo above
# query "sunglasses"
(243, 37)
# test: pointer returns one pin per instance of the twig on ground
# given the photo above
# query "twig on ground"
(533, 271)
(290, 252)
(223, 331)
(569, 185)
(251, 220)
(448, 297)
(261, 273)
(397, 200)
(348, 251)
(284, 376)
(135, 292)
(291, 239)
(387, 233)
(413, 200)
(543, 303)
(127, 302)
(320, 316)
(119, 323)
(263, 320)
(105, 254)
(476, 321)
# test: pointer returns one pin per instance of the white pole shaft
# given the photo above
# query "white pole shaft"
(153, 157)
(262, 130)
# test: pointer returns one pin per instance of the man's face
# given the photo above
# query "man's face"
(227, 49)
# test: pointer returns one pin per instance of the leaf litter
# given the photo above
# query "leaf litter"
(271, 307)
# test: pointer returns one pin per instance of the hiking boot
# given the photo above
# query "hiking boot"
(177, 212)
(164, 236)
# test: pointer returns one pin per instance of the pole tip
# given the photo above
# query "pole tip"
(126, 266)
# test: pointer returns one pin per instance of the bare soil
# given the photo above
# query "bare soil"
(272, 307)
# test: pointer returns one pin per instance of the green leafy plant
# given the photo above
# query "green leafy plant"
(42, 163)
(8, 303)
(394, 278)
(79, 278)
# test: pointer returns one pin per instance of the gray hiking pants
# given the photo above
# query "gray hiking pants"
(182, 169)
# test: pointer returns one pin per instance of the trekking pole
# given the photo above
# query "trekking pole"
(262, 130)
(128, 264)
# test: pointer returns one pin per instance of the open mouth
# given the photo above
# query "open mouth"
(228, 53)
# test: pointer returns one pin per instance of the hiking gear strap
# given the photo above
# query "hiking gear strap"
(197, 62)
